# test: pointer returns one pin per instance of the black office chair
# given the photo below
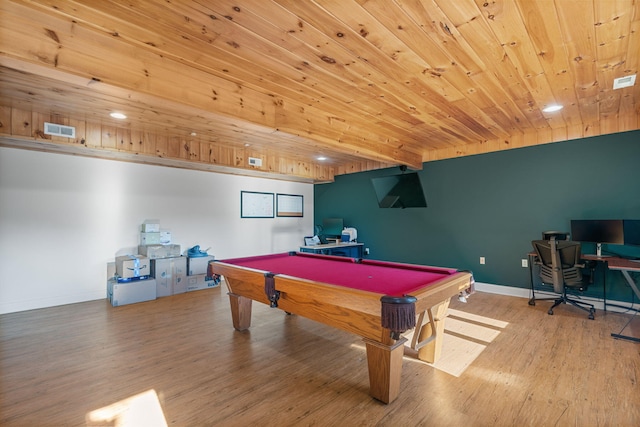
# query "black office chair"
(560, 267)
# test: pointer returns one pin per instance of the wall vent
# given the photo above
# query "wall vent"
(59, 130)
(624, 82)
(254, 161)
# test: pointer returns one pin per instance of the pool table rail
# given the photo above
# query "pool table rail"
(351, 310)
(448, 287)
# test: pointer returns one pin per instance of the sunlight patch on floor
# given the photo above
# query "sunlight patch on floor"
(478, 319)
(456, 326)
(141, 410)
(465, 338)
(466, 335)
(457, 355)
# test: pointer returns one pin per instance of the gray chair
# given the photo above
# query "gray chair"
(560, 266)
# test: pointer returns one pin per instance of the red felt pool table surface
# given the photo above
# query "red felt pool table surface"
(386, 278)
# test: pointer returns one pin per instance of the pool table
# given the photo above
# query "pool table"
(377, 300)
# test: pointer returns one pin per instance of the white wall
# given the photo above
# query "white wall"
(62, 218)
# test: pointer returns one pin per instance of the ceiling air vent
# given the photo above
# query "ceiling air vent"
(624, 82)
(254, 161)
(59, 130)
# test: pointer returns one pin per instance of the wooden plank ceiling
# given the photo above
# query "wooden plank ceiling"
(366, 84)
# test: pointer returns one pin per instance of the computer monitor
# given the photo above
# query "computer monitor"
(631, 231)
(598, 231)
(332, 227)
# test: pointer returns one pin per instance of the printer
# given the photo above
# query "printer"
(349, 234)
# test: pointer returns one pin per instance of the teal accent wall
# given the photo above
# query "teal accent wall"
(494, 204)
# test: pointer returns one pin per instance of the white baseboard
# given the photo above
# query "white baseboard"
(526, 293)
(37, 303)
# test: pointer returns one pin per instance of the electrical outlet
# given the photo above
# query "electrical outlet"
(525, 263)
(482, 260)
(366, 251)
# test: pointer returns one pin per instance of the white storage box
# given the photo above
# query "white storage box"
(151, 226)
(201, 281)
(130, 292)
(165, 237)
(129, 266)
(198, 265)
(170, 275)
(150, 238)
(159, 251)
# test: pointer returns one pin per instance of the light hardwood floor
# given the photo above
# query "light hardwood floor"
(60, 365)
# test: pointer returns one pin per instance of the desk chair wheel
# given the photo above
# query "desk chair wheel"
(532, 302)
(550, 312)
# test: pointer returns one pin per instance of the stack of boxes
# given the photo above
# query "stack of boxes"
(168, 267)
(197, 266)
(158, 270)
(170, 274)
(131, 282)
(156, 243)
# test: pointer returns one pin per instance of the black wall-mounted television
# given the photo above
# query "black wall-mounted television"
(399, 191)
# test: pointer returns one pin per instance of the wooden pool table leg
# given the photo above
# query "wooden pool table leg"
(385, 369)
(240, 311)
(431, 351)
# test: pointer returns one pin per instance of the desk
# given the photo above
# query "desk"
(346, 294)
(624, 266)
(616, 263)
(348, 249)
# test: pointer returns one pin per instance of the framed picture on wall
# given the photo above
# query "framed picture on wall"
(256, 205)
(289, 205)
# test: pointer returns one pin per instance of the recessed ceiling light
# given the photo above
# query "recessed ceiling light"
(321, 158)
(552, 108)
(118, 116)
(247, 144)
(193, 134)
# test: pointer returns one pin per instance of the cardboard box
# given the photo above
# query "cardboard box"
(150, 238)
(132, 266)
(165, 237)
(111, 270)
(131, 292)
(198, 265)
(159, 251)
(150, 226)
(170, 275)
(201, 281)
